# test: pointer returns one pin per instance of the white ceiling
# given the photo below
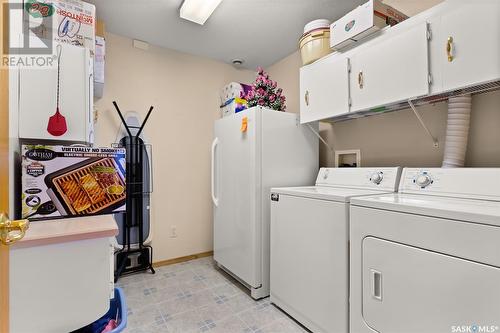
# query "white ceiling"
(260, 32)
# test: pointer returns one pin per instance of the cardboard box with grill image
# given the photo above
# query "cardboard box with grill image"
(91, 187)
(65, 181)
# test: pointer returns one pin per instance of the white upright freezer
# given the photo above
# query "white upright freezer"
(252, 151)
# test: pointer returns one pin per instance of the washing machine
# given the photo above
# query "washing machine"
(427, 259)
(309, 244)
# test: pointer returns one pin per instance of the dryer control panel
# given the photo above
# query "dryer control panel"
(386, 179)
(423, 179)
(472, 183)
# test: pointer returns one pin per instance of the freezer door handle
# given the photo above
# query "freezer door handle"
(214, 198)
(376, 278)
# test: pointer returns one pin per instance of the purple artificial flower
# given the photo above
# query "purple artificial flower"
(265, 92)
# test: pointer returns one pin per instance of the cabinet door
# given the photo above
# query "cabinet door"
(37, 97)
(472, 31)
(390, 71)
(324, 89)
(408, 289)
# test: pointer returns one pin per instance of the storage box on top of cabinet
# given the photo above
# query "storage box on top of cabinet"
(70, 21)
(363, 21)
(38, 97)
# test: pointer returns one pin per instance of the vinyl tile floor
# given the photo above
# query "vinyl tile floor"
(196, 296)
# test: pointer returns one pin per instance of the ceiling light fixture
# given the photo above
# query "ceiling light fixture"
(198, 11)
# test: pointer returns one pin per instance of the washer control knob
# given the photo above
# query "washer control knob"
(325, 174)
(423, 180)
(377, 177)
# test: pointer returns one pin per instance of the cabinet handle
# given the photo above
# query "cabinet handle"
(306, 97)
(361, 81)
(449, 48)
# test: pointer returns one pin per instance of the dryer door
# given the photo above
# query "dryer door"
(407, 289)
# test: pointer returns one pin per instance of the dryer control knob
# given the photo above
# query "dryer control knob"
(377, 177)
(423, 180)
(326, 173)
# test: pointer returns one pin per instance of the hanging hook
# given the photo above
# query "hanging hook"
(59, 51)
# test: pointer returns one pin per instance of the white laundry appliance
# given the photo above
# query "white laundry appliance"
(310, 242)
(254, 150)
(428, 258)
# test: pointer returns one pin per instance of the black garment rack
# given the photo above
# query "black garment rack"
(135, 149)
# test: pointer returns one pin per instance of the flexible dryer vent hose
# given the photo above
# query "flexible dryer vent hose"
(457, 131)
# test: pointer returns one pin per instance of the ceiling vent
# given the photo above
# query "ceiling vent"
(238, 63)
(139, 44)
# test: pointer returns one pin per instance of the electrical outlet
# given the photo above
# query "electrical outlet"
(173, 232)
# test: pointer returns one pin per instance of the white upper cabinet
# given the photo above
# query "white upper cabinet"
(324, 91)
(37, 97)
(470, 35)
(452, 46)
(390, 71)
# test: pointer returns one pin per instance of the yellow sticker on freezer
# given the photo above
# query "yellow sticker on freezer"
(244, 124)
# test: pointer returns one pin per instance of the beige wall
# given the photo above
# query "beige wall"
(412, 7)
(397, 138)
(184, 90)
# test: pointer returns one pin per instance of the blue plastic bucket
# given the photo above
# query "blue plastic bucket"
(118, 305)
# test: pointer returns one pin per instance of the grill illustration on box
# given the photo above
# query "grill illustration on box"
(65, 181)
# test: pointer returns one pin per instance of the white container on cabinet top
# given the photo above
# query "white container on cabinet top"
(37, 97)
(363, 21)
